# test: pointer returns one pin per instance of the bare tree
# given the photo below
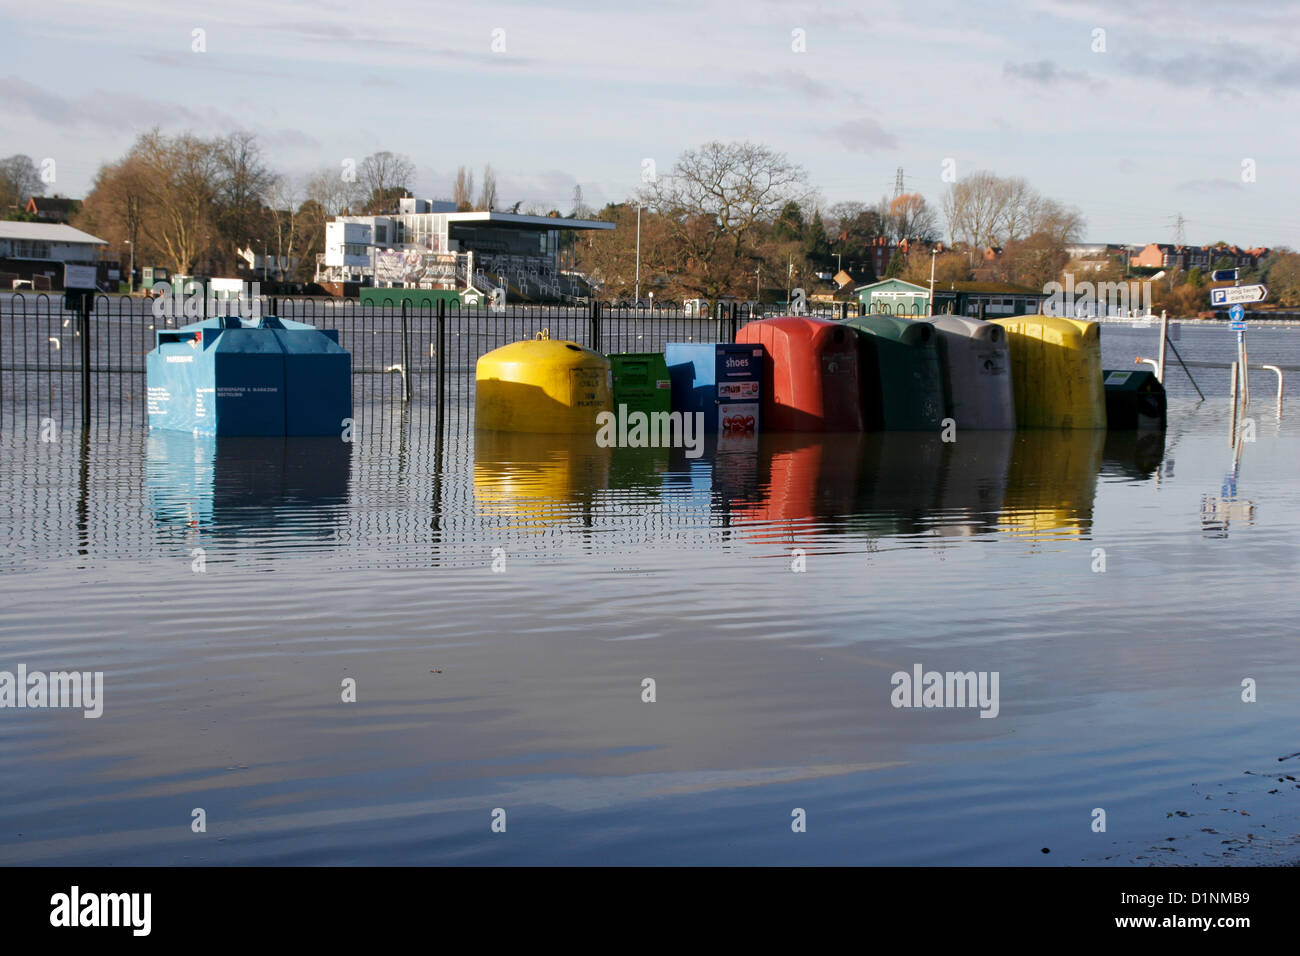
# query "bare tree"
(715, 202)
(910, 217)
(19, 180)
(973, 208)
(1062, 223)
(181, 175)
(987, 210)
(290, 223)
(335, 195)
(463, 192)
(385, 177)
(243, 182)
(488, 198)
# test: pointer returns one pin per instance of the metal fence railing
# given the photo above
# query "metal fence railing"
(421, 358)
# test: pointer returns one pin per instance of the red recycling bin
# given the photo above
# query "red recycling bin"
(810, 374)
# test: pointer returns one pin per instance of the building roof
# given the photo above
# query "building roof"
(872, 285)
(523, 222)
(1004, 288)
(47, 232)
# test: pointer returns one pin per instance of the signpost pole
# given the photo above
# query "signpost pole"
(1164, 345)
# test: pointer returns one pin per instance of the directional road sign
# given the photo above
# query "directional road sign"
(1238, 293)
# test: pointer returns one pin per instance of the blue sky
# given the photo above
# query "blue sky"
(1156, 125)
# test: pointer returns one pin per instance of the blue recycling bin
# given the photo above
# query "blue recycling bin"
(722, 381)
(235, 376)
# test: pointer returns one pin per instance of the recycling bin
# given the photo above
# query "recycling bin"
(975, 367)
(234, 376)
(1135, 398)
(902, 389)
(810, 374)
(641, 382)
(1056, 371)
(542, 385)
(724, 382)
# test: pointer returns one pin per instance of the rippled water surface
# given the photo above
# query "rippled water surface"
(500, 601)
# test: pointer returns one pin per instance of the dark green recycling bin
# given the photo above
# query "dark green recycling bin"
(641, 382)
(1134, 399)
(902, 389)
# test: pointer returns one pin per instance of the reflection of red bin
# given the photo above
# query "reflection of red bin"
(810, 374)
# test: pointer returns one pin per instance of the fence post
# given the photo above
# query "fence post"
(406, 378)
(84, 305)
(595, 324)
(735, 318)
(441, 376)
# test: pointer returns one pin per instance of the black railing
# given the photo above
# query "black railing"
(420, 357)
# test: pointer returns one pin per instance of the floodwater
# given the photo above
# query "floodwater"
(500, 604)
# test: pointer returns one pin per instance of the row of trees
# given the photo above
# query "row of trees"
(728, 219)
(739, 219)
(189, 202)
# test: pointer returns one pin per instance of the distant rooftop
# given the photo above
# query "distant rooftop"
(47, 232)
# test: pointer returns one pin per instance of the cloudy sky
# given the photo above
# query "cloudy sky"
(1152, 118)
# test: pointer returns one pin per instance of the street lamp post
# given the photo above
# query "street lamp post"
(130, 278)
(934, 252)
(263, 262)
(637, 296)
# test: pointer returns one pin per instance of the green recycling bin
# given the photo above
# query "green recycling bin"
(902, 388)
(641, 382)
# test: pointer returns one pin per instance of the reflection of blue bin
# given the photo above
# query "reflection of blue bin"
(230, 376)
(722, 381)
(273, 486)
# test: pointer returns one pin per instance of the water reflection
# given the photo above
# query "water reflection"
(1036, 485)
(272, 483)
(1051, 484)
(537, 480)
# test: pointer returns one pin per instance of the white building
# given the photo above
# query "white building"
(429, 245)
(48, 240)
(34, 254)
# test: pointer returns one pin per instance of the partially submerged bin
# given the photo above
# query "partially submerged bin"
(901, 386)
(810, 374)
(541, 385)
(975, 367)
(1134, 399)
(1056, 369)
(721, 381)
(641, 382)
(234, 376)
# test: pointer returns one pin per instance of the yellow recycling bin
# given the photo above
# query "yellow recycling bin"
(1056, 371)
(541, 385)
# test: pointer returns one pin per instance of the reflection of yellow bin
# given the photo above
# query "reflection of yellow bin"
(1051, 484)
(1056, 371)
(534, 480)
(541, 385)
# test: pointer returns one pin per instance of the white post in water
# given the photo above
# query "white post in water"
(1232, 426)
(1164, 345)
